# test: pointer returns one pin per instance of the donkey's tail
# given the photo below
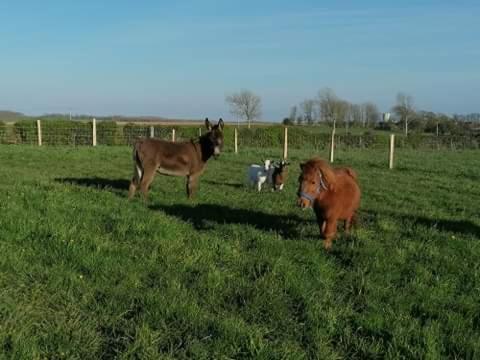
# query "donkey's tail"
(137, 165)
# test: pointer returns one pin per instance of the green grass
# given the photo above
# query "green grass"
(86, 274)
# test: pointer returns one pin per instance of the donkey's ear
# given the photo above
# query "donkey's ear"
(220, 124)
(208, 125)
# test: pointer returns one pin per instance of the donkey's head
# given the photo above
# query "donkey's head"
(213, 139)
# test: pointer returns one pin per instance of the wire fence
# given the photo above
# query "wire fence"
(112, 133)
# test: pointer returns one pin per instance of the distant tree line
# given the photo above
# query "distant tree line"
(328, 108)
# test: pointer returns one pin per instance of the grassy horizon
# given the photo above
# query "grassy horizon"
(84, 273)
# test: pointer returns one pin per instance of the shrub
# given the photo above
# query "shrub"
(25, 132)
(108, 133)
(3, 132)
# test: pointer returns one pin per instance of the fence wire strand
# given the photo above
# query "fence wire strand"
(111, 133)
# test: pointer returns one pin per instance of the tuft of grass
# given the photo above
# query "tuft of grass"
(84, 273)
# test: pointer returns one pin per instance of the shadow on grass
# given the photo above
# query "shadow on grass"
(467, 227)
(459, 226)
(233, 185)
(201, 216)
(117, 185)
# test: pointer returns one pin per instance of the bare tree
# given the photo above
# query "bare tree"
(372, 115)
(404, 109)
(341, 110)
(308, 107)
(350, 116)
(357, 113)
(332, 109)
(293, 114)
(245, 104)
(327, 101)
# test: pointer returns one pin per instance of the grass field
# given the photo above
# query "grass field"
(85, 274)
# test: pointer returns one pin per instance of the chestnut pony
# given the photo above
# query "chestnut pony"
(333, 194)
(174, 158)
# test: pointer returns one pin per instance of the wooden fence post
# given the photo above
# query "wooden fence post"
(94, 132)
(236, 140)
(285, 143)
(392, 149)
(152, 131)
(173, 135)
(39, 133)
(332, 146)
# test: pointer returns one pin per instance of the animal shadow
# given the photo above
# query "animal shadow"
(201, 216)
(117, 185)
(465, 227)
(233, 185)
(458, 226)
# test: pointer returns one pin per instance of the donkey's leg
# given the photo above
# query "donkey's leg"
(147, 178)
(192, 181)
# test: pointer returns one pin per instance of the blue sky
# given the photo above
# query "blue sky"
(180, 59)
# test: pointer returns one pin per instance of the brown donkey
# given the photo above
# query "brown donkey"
(174, 158)
(333, 194)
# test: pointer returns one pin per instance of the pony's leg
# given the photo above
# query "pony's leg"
(192, 181)
(329, 233)
(351, 221)
(348, 225)
(147, 178)
(137, 176)
(321, 222)
(132, 188)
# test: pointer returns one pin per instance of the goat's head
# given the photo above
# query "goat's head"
(266, 164)
(279, 175)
